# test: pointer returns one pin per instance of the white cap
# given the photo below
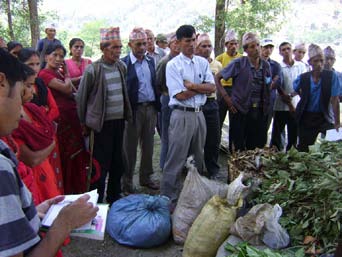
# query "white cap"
(266, 42)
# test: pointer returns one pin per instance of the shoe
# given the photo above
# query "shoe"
(151, 185)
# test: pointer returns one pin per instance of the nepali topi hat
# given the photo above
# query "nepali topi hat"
(137, 33)
(109, 34)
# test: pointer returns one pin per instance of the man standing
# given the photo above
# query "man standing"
(267, 47)
(162, 43)
(165, 98)
(299, 53)
(249, 101)
(103, 107)
(141, 84)
(329, 61)
(284, 105)
(232, 45)
(189, 79)
(210, 111)
(42, 44)
(318, 108)
(152, 51)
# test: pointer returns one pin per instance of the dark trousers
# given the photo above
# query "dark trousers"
(280, 119)
(223, 107)
(165, 121)
(310, 125)
(108, 152)
(212, 141)
(248, 131)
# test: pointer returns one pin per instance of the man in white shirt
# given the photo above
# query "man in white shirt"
(189, 79)
(299, 52)
(284, 105)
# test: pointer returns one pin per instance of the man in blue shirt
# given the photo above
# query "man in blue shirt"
(318, 108)
(144, 100)
(267, 47)
(42, 44)
(329, 61)
(249, 102)
(189, 79)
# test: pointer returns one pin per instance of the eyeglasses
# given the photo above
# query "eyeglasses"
(206, 46)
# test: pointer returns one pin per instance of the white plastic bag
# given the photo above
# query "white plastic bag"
(197, 190)
(233, 240)
(237, 190)
(260, 226)
(275, 236)
(251, 226)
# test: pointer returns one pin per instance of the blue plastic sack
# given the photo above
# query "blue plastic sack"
(140, 220)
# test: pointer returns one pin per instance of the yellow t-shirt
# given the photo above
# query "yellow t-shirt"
(225, 59)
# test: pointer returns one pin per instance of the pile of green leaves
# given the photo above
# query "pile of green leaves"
(245, 250)
(308, 187)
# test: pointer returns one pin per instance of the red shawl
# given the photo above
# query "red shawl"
(37, 134)
(25, 172)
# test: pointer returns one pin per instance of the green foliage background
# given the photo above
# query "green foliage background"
(266, 17)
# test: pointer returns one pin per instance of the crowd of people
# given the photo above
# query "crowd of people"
(70, 125)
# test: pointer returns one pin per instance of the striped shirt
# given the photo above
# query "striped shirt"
(19, 221)
(114, 100)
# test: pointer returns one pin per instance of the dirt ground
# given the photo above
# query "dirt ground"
(81, 247)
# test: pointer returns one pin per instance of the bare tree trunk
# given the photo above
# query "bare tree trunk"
(220, 26)
(9, 19)
(34, 23)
